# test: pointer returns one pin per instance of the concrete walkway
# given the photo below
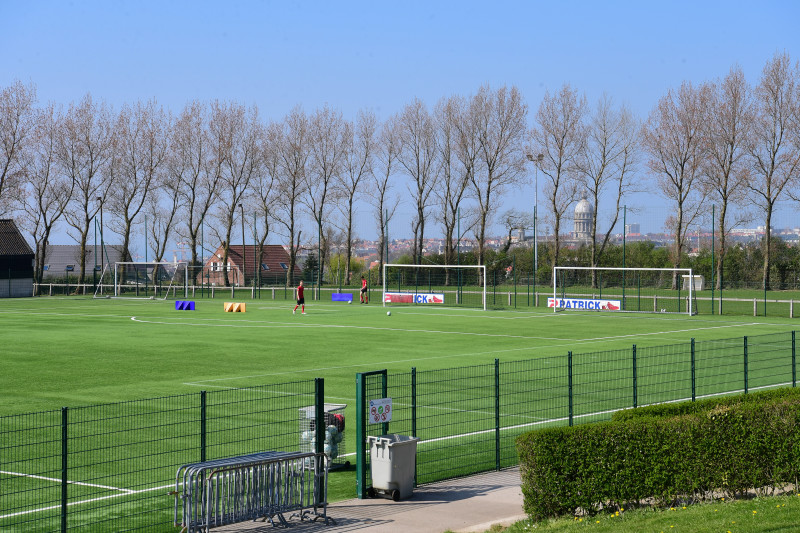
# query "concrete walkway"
(466, 505)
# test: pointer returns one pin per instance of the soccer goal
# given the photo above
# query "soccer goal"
(448, 285)
(643, 290)
(144, 280)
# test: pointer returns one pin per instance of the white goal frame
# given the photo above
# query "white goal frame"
(682, 273)
(481, 268)
(176, 265)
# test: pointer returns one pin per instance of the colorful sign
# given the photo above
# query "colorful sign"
(412, 298)
(589, 304)
(380, 411)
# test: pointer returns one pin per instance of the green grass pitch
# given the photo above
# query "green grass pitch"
(75, 352)
(69, 351)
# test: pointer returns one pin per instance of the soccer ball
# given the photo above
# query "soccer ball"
(349, 301)
(388, 313)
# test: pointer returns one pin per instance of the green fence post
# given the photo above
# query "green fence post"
(320, 428)
(361, 438)
(794, 364)
(569, 384)
(203, 419)
(693, 373)
(514, 270)
(497, 414)
(385, 394)
(414, 412)
(64, 475)
(635, 384)
(319, 415)
(745, 365)
(413, 401)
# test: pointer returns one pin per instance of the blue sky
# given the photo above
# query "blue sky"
(381, 55)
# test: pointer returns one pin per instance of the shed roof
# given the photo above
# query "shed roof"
(11, 240)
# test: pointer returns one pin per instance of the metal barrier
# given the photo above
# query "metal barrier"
(263, 485)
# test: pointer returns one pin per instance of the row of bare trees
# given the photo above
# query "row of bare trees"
(723, 142)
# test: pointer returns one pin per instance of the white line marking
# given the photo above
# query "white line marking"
(57, 480)
(91, 500)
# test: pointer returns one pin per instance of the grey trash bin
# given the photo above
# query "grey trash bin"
(392, 460)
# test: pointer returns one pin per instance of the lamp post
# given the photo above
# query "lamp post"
(102, 245)
(102, 248)
(244, 253)
(536, 162)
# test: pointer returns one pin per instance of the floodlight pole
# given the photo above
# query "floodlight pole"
(102, 244)
(536, 162)
(244, 253)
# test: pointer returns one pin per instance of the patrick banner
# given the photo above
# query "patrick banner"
(578, 303)
(412, 298)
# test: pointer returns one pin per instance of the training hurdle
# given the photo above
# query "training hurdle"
(182, 305)
(262, 485)
(235, 307)
(341, 297)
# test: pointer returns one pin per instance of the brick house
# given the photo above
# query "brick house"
(272, 269)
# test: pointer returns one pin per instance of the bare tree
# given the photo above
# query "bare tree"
(293, 151)
(264, 196)
(48, 189)
(239, 137)
(192, 166)
(418, 158)
(501, 117)
(673, 137)
(560, 135)
(727, 133)
(84, 152)
(357, 164)
(328, 132)
(388, 150)
(16, 122)
(163, 206)
(514, 220)
(774, 158)
(458, 153)
(141, 134)
(607, 163)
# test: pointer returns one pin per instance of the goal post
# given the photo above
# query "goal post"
(637, 290)
(143, 280)
(447, 285)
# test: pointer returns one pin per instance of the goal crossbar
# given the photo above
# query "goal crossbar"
(442, 291)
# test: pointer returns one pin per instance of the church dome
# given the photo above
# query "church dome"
(584, 207)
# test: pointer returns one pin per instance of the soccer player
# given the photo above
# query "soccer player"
(363, 294)
(300, 300)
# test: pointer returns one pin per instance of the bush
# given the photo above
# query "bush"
(730, 448)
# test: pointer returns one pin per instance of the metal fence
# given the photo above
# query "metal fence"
(112, 467)
(467, 418)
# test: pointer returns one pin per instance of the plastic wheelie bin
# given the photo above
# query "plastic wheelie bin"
(392, 460)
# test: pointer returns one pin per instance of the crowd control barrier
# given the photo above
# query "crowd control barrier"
(249, 487)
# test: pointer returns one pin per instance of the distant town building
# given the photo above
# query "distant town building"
(633, 228)
(584, 212)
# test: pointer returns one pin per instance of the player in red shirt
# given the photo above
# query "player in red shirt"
(363, 294)
(300, 300)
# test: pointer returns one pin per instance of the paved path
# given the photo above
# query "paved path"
(466, 505)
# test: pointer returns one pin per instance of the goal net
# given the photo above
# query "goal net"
(144, 280)
(644, 290)
(447, 285)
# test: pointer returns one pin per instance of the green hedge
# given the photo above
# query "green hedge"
(706, 404)
(727, 449)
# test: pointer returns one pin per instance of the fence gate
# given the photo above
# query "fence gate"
(369, 386)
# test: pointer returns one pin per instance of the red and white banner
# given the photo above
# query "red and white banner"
(586, 304)
(412, 298)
